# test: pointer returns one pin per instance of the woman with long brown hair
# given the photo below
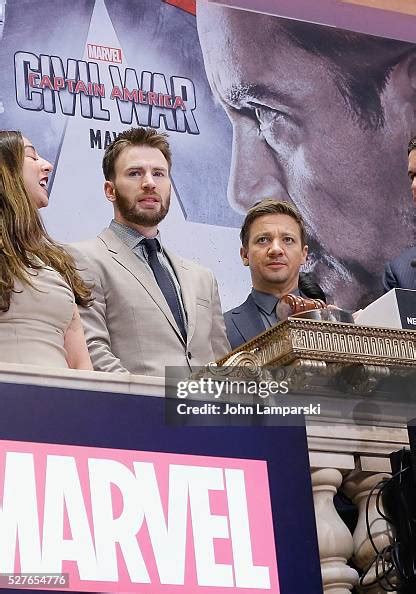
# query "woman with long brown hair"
(39, 285)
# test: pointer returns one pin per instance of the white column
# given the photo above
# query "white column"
(358, 486)
(334, 539)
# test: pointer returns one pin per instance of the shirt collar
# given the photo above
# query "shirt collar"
(131, 237)
(266, 301)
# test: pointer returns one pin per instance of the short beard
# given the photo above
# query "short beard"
(144, 218)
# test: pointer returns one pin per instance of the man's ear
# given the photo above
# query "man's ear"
(304, 254)
(109, 190)
(244, 255)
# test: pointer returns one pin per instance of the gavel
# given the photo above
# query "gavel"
(314, 309)
(300, 304)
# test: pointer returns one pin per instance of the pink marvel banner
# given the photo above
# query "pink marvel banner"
(99, 492)
(118, 520)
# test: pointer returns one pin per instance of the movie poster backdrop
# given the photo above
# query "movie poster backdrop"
(293, 123)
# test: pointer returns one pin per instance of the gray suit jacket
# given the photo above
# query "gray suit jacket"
(243, 322)
(130, 328)
(399, 273)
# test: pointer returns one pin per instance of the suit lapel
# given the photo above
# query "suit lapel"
(184, 276)
(128, 260)
(247, 319)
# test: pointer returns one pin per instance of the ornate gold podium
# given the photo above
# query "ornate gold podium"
(359, 354)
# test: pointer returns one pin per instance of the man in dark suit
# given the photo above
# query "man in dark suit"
(274, 246)
(400, 273)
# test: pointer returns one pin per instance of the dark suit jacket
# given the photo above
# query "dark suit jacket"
(243, 322)
(398, 273)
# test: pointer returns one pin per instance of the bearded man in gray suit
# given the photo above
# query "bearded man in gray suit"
(152, 309)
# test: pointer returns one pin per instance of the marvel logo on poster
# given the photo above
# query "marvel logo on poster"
(104, 53)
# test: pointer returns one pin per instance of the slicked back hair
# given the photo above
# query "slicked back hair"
(266, 207)
(361, 64)
(412, 145)
(134, 137)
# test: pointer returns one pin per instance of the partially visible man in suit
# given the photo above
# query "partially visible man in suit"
(274, 246)
(400, 273)
(152, 308)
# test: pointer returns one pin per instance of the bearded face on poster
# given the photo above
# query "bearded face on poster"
(321, 117)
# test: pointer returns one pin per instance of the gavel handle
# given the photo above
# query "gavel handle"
(301, 304)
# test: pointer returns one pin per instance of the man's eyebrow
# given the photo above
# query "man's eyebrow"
(246, 92)
(154, 167)
(262, 234)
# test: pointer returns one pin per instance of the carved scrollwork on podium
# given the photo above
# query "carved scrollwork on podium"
(243, 365)
(361, 379)
(299, 374)
(245, 359)
(298, 340)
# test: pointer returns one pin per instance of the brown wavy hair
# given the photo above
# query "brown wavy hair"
(24, 242)
(134, 137)
(270, 206)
